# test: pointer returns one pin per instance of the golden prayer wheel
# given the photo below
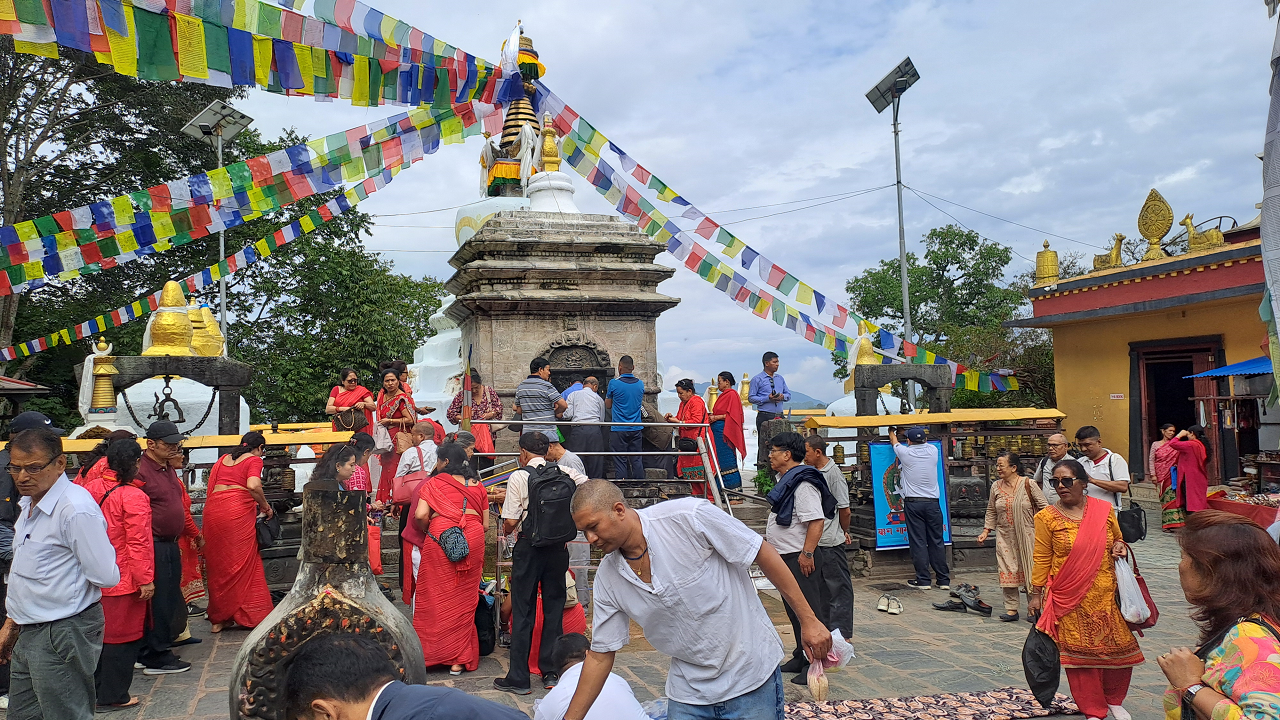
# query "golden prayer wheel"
(1046, 266)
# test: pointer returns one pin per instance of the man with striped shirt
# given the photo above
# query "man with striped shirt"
(538, 401)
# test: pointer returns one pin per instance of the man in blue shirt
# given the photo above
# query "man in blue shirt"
(768, 392)
(623, 399)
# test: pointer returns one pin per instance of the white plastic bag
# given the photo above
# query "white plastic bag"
(381, 438)
(1132, 605)
(841, 649)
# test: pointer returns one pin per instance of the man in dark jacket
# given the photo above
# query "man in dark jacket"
(9, 497)
(800, 504)
(350, 677)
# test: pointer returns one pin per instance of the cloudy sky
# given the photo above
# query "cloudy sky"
(1059, 116)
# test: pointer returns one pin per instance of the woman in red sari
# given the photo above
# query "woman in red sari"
(238, 594)
(128, 513)
(1193, 476)
(1164, 461)
(348, 395)
(726, 428)
(395, 413)
(446, 593)
(692, 410)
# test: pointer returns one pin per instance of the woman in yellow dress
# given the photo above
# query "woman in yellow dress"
(1077, 542)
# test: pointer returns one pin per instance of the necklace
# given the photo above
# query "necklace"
(638, 557)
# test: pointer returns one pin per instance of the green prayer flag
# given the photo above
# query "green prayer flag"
(441, 100)
(984, 383)
(375, 81)
(181, 239)
(108, 247)
(241, 176)
(30, 12)
(143, 199)
(209, 10)
(652, 228)
(724, 238)
(585, 131)
(373, 157)
(788, 283)
(269, 21)
(704, 268)
(222, 266)
(85, 236)
(364, 46)
(47, 226)
(217, 54)
(779, 313)
(181, 220)
(656, 184)
(155, 47)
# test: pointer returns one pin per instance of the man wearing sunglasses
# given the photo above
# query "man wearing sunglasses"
(62, 558)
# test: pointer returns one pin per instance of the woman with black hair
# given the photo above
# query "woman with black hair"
(446, 591)
(128, 513)
(1193, 476)
(335, 468)
(238, 594)
(692, 410)
(95, 463)
(348, 401)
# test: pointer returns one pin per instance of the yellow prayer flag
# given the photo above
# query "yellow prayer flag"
(261, 56)
(124, 49)
(263, 248)
(437, 46)
(66, 240)
(451, 131)
(320, 64)
(49, 49)
(220, 182)
(352, 197)
(656, 215)
(360, 82)
(33, 269)
(27, 231)
(306, 223)
(714, 275)
(353, 169)
(215, 272)
(6, 10)
(663, 235)
(191, 51)
(126, 241)
(666, 195)
(388, 31)
(238, 18)
(162, 225)
(804, 294)
(250, 14)
(123, 209)
(734, 248)
(163, 245)
(303, 53)
(421, 117)
(829, 342)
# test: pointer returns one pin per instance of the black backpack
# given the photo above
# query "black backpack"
(550, 521)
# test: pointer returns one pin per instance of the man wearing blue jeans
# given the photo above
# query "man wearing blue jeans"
(681, 570)
(626, 392)
(919, 462)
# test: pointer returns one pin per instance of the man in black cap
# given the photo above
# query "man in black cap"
(169, 521)
(8, 516)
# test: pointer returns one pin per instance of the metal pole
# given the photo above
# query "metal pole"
(902, 246)
(222, 247)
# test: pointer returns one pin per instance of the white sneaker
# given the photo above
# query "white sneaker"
(4, 702)
(1119, 713)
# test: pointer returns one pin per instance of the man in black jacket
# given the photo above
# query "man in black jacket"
(8, 516)
(343, 676)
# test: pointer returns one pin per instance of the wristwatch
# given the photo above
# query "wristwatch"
(1190, 693)
(807, 554)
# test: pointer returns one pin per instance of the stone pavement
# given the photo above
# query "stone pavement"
(922, 651)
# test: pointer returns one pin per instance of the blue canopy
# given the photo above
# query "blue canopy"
(1256, 366)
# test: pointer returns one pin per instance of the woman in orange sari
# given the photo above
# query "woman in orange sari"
(692, 410)
(395, 413)
(446, 592)
(238, 594)
(350, 395)
(1074, 588)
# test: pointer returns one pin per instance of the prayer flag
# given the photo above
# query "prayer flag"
(155, 47)
(192, 58)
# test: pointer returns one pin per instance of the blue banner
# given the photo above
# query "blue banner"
(886, 485)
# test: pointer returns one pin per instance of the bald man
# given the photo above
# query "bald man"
(1058, 446)
(694, 598)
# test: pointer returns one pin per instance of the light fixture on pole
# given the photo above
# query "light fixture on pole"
(216, 124)
(888, 92)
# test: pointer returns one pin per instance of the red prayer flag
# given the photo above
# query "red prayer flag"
(64, 220)
(109, 262)
(695, 258)
(842, 316)
(160, 201)
(91, 253)
(641, 174)
(116, 319)
(707, 228)
(908, 350)
(776, 276)
(809, 332)
(5, 287)
(325, 213)
(260, 168)
(564, 121)
(17, 254)
(392, 153)
(342, 13)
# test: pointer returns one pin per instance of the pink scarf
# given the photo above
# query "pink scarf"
(1067, 589)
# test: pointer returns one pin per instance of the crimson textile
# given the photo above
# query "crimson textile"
(237, 584)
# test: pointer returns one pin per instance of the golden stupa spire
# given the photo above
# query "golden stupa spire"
(170, 327)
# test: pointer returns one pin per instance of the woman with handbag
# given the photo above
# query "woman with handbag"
(1074, 581)
(1230, 573)
(692, 410)
(351, 404)
(1193, 477)
(1011, 509)
(238, 594)
(395, 415)
(452, 511)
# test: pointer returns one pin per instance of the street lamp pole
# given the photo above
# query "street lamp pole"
(222, 234)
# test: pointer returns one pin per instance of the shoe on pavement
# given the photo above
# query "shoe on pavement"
(883, 603)
(920, 585)
(1119, 713)
(138, 666)
(895, 606)
(944, 587)
(795, 664)
(505, 685)
(194, 610)
(179, 666)
(802, 678)
(4, 702)
(550, 679)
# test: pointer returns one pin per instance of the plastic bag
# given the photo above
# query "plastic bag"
(1132, 605)
(817, 682)
(841, 651)
(656, 709)
(1042, 665)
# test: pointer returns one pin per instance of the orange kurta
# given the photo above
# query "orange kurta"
(1094, 634)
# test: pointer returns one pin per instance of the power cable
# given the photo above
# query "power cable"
(1004, 220)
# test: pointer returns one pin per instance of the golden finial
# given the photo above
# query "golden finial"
(550, 152)
(1046, 266)
(1154, 220)
(102, 346)
(866, 354)
(170, 327)
(744, 389)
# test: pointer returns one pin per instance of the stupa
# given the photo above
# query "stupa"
(538, 278)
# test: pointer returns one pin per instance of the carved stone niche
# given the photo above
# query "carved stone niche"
(335, 592)
(573, 353)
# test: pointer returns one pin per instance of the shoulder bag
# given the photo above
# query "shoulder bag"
(404, 489)
(350, 420)
(453, 541)
(1133, 521)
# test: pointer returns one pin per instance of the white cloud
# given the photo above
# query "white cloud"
(1029, 183)
(1148, 120)
(1189, 172)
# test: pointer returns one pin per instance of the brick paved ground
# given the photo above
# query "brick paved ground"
(921, 651)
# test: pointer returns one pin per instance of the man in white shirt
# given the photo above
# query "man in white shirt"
(681, 570)
(62, 558)
(586, 405)
(422, 456)
(919, 462)
(1058, 446)
(837, 585)
(1108, 472)
(616, 702)
(533, 570)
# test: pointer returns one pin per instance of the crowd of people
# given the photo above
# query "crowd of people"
(100, 564)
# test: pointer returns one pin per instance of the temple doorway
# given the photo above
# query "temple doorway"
(1167, 396)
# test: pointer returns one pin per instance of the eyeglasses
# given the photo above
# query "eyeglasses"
(15, 470)
(1060, 482)
(779, 450)
(350, 380)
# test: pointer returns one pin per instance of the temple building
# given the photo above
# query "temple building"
(1127, 338)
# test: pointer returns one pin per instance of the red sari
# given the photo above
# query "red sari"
(388, 408)
(446, 594)
(691, 467)
(348, 398)
(237, 584)
(1193, 481)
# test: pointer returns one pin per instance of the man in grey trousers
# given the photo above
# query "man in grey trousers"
(837, 585)
(62, 558)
